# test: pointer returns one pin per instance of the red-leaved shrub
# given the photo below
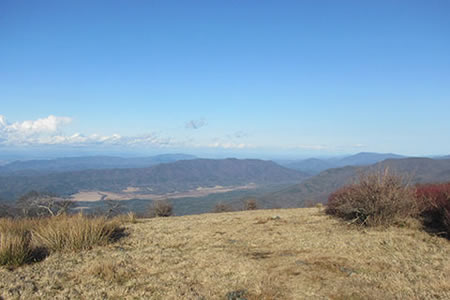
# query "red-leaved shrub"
(434, 203)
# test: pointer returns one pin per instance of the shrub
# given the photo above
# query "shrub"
(222, 207)
(161, 208)
(73, 233)
(250, 204)
(113, 208)
(434, 203)
(15, 243)
(378, 198)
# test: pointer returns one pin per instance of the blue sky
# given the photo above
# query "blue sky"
(249, 77)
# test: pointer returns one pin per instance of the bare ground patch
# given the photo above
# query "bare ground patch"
(136, 193)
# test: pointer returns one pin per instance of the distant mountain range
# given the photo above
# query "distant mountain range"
(304, 182)
(443, 157)
(65, 164)
(365, 159)
(314, 166)
(318, 188)
(163, 178)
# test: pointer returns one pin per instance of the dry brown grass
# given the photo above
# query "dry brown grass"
(271, 254)
(127, 218)
(15, 242)
(26, 240)
(111, 271)
(74, 233)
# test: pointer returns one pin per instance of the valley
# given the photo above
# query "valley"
(138, 193)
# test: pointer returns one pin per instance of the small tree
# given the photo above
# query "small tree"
(43, 204)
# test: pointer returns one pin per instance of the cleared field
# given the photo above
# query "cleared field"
(269, 254)
(136, 193)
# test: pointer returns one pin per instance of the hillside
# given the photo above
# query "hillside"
(271, 254)
(311, 165)
(317, 188)
(314, 166)
(179, 176)
(66, 164)
(366, 158)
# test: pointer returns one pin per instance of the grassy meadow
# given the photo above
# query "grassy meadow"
(262, 254)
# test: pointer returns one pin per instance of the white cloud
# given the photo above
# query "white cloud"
(44, 125)
(312, 147)
(3, 122)
(48, 131)
(195, 124)
(229, 145)
(30, 131)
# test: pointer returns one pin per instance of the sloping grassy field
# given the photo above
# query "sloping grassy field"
(263, 254)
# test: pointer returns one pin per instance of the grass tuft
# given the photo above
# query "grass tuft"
(15, 242)
(74, 233)
(15, 248)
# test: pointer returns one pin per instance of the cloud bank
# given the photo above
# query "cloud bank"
(48, 131)
(27, 128)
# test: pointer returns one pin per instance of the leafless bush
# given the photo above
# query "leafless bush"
(222, 207)
(250, 204)
(378, 198)
(113, 207)
(161, 208)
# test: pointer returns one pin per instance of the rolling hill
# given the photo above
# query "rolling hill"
(366, 158)
(87, 162)
(317, 188)
(164, 178)
(314, 166)
(311, 165)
